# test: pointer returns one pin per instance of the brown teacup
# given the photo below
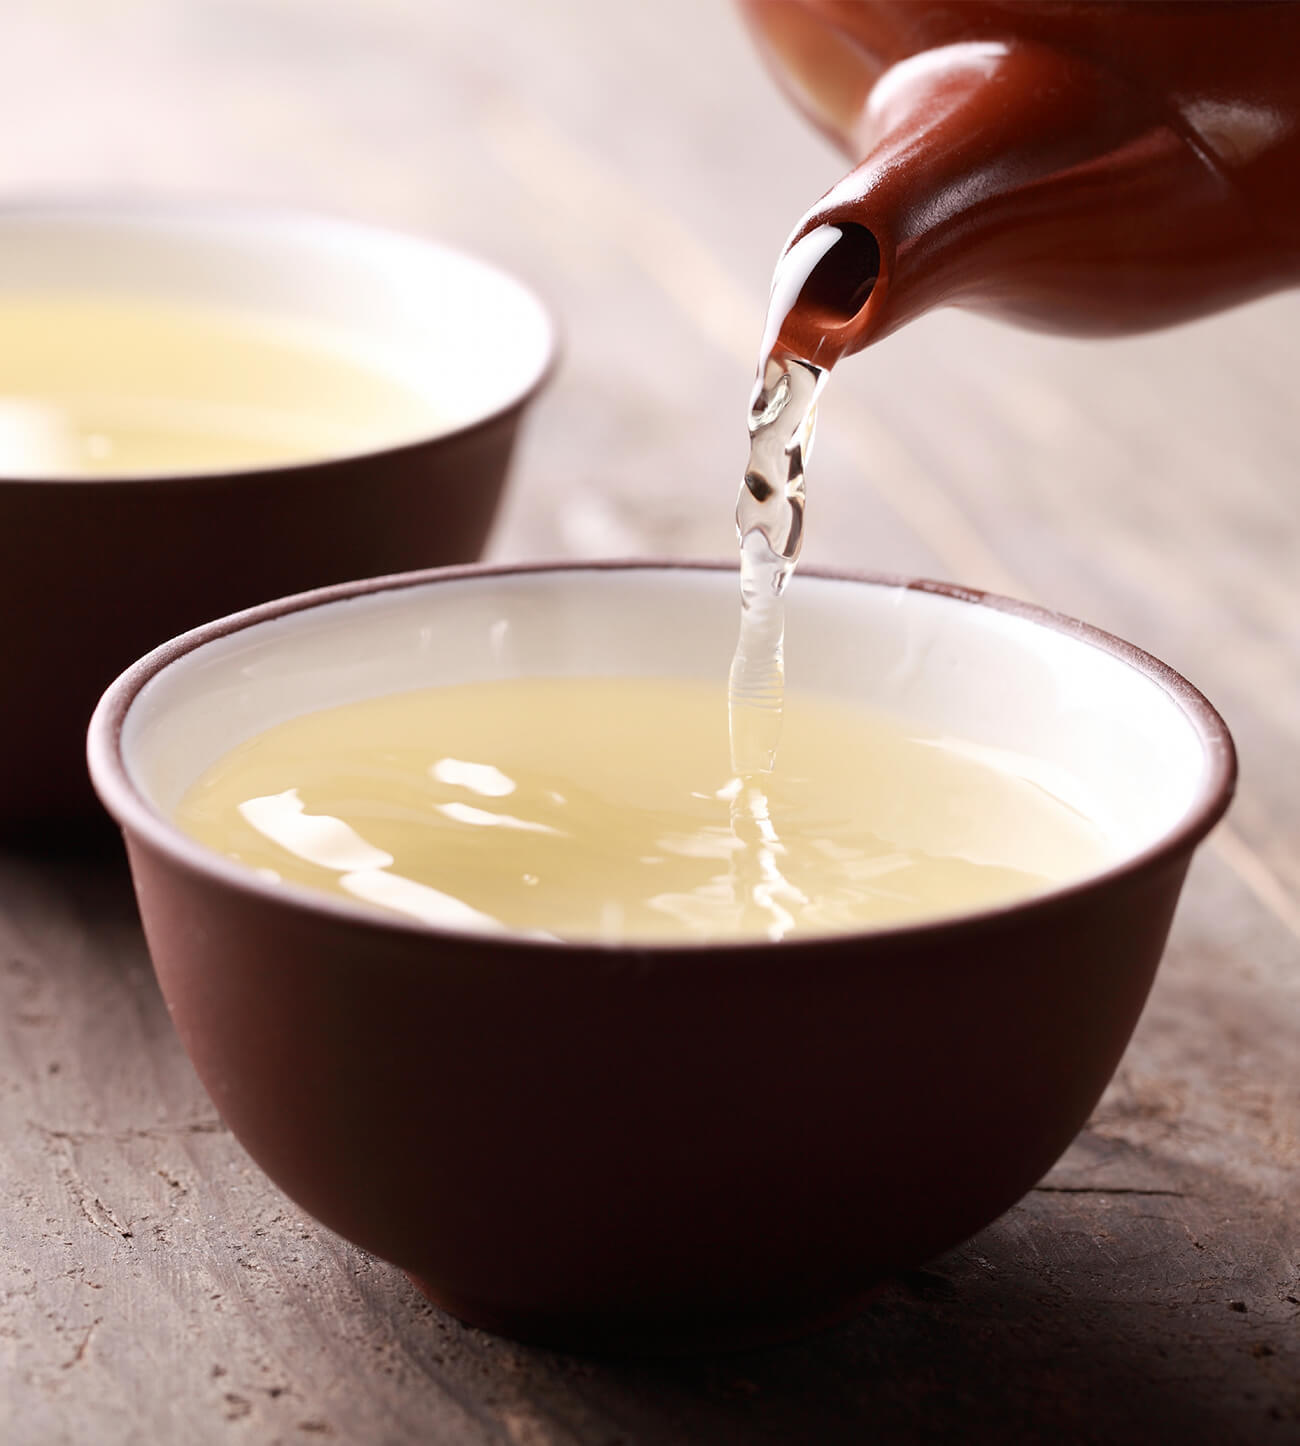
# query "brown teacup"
(657, 1147)
(95, 570)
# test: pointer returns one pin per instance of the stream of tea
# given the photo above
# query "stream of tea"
(770, 526)
(769, 520)
(769, 512)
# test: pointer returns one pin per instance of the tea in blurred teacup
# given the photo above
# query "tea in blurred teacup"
(111, 385)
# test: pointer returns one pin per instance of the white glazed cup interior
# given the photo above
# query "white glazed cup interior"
(465, 338)
(1105, 727)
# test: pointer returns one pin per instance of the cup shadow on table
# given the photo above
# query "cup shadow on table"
(1032, 1332)
(81, 864)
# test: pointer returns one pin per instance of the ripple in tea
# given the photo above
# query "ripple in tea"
(606, 809)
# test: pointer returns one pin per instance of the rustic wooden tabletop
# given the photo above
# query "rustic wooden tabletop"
(635, 163)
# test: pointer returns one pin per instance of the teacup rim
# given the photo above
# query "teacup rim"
(134, 814)
(141, 205)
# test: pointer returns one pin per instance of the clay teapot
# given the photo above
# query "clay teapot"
(1092, 168)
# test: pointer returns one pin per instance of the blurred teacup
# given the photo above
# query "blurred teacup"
(203, 407)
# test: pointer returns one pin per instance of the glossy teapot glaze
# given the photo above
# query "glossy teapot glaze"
(1092, 168)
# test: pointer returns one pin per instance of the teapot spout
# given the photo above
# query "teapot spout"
(1026, 181)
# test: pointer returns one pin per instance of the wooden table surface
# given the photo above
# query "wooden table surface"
(634, 162)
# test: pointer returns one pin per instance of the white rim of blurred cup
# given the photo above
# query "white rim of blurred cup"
(215, 253)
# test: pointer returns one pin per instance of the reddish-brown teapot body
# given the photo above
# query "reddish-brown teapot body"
(1084, 167)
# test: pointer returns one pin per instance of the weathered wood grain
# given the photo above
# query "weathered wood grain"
(636, 165)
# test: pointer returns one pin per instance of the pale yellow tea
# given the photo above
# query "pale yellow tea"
(605, 809)
(104, 386)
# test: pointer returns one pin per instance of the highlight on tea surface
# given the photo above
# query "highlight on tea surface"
(605, 808)
(114, 385)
